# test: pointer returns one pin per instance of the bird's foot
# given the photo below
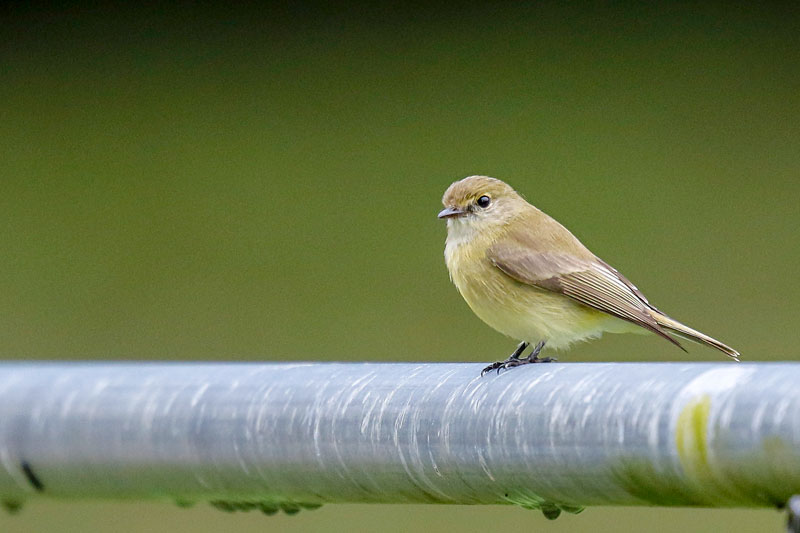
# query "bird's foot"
(515, 360)
(495, 365)
(511, 363)
(513, 357)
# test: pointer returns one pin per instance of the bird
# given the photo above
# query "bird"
(530, 278)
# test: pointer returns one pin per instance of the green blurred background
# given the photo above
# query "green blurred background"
(262, 184)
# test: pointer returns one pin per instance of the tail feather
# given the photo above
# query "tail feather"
(693, 335)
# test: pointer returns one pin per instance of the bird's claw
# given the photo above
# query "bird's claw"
(495, 365)
(514, 362)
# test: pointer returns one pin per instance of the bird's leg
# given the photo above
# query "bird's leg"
(534, 356)
(511, 358)
(515, 360)
(520, 348)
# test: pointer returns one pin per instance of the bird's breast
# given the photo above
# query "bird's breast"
(491, 294)
(518, 310)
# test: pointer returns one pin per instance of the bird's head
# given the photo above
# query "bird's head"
(479, 203)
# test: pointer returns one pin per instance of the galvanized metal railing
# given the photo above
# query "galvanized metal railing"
(286, 436)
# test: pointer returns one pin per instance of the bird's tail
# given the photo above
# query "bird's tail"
(693, 335)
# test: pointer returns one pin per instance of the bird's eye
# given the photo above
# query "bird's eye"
(484, 201)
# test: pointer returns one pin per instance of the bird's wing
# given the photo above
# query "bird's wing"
(586, 280)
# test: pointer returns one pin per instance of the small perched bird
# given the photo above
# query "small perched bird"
(528, 277)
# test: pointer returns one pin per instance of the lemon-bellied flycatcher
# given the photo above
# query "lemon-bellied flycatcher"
(528, 277)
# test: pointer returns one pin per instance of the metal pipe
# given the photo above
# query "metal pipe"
(550, 436)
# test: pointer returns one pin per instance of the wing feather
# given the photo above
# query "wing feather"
(584, 278)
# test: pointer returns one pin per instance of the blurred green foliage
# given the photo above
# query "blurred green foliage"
(262, 184)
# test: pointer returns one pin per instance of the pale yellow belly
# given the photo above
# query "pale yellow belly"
(529, 313)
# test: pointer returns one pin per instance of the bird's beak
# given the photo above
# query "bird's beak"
(451, 212)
